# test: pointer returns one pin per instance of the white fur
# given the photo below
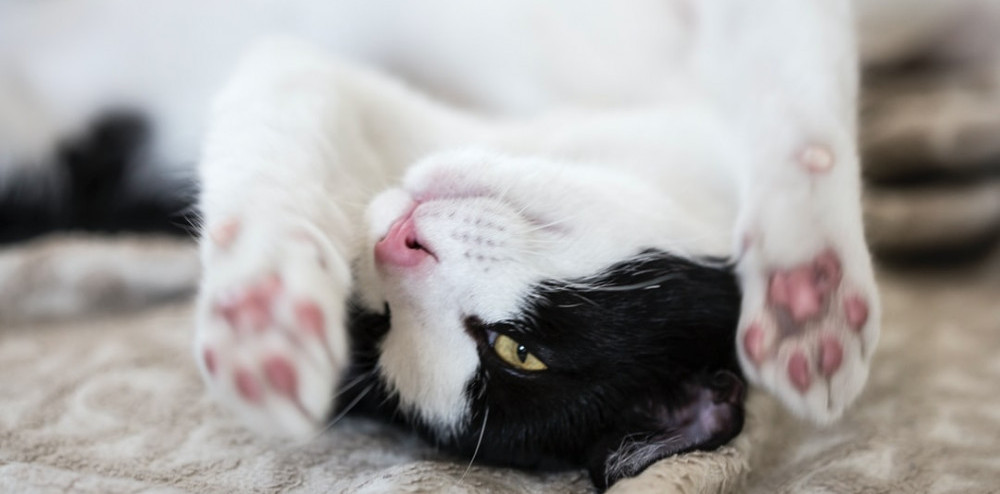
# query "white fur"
(675, 125)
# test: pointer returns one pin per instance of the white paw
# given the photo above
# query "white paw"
(807, 332)
(271, 341)
(810, 317)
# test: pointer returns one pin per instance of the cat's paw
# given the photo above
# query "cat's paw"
(271, 340)
(808, 331)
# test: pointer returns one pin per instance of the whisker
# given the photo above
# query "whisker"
(547, 225)
(482, 432)
(502, 194)
(387, 399)
(351, 405)
(343, 413)
(645, 284)
(358, 380)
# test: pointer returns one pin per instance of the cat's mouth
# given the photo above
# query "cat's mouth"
(401, 246)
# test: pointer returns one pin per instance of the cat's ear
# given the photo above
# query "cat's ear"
(706, 414)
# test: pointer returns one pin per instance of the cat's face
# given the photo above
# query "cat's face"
(542, 312)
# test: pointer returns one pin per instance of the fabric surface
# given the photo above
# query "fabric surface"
(113, 404)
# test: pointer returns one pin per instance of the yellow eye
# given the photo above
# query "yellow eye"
(516, 354)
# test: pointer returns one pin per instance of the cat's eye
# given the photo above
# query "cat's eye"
(516, 355)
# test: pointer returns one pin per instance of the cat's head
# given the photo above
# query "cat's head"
(545, 314)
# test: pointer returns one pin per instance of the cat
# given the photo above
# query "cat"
(550, 294)
(622, 215)
(507, 305)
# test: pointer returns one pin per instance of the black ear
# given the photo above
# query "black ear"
(704, 414)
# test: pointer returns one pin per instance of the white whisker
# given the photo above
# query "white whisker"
(353, 383)
(482, 432)
(343, 413)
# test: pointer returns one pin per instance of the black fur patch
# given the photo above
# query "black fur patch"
(86, 188)
(642, 351)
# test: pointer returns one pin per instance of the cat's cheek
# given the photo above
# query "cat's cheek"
(429, 361)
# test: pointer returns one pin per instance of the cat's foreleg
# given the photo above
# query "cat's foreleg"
(285, 174)
(297, 144)
(810, 316)
(278, 237)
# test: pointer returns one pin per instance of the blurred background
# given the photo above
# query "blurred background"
(930, 142)
(930, 127)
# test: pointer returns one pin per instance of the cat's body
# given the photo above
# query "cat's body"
(550, 279)
(523, 231)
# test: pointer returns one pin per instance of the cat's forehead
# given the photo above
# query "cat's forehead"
(597, 216)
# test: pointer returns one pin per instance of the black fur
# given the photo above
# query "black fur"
(86, 189)
(642, 354)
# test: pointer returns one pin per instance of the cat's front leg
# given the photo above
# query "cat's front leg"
(810, 312)
(283, 176)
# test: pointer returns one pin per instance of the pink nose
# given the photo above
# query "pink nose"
(400, 247)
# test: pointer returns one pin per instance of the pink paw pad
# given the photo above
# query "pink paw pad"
(281, 377)
(208, 356)
(798, 371)
(793, 291)
(827, 272)
(753, 342)
(310, 318)
(224, 234)
(816, 158)
(251, 310)
(802, 291)
(831, 355)
(248, 386)
(856, 312)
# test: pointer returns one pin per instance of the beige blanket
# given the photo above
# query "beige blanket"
(114, 404)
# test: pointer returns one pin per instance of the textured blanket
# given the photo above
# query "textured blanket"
(113, 403)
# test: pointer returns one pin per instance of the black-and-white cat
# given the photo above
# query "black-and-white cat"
(555, 275)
